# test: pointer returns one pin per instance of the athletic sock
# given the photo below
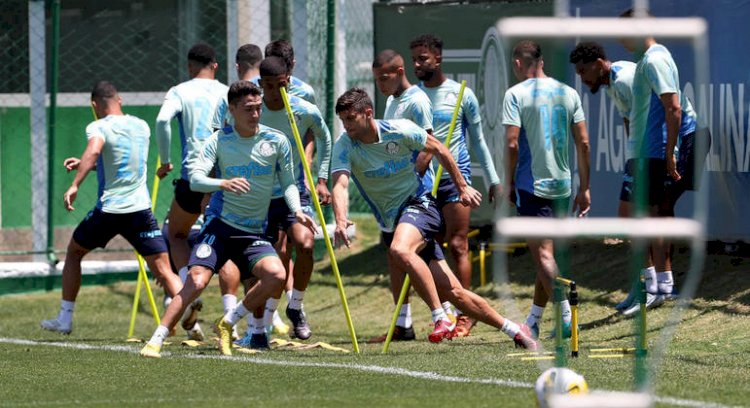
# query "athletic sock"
(229, 302)
(161, 333)
(404, 316)
(236, 315)
(535, 315)
(649, 277)
(510, 328)
(664, 282)
(288, 296)
(295, 301)
(66, 311)
(450, 309)
(567, 314)
(271, 306)
(257, 326)
(439, 314)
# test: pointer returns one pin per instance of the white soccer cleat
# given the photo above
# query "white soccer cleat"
(196, 333)
(652, 301)
(628, 302)
(57, 326)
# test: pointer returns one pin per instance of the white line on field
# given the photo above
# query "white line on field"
(426, 375)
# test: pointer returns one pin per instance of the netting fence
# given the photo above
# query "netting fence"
(140, 46)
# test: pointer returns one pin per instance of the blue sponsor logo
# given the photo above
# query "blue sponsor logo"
(390, 168)
(252, 169)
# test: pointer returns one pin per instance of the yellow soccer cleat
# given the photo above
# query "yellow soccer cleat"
(224, 330)
(151, 351)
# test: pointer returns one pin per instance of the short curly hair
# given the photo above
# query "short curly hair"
(587, 51)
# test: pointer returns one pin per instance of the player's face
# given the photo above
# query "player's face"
(592, 74)
(272, 87)
(355, 123)
(628, 44)
(246, 111)
(387, 79)
(426, 62)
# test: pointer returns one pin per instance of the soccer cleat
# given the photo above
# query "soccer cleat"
(195, 333)
(151, 351)
(628, 302)
(300, 328)
(224, 330)
(259, 341)
(567, 331)
(523, 339)
(652, 301)
(534, 330)
(279, 327)
(235, 334)
(464, 325)
(399, 334)
(191, 316)
(57, 326)
(442, 330)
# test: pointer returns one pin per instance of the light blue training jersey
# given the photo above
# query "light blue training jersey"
(655, 74)
(308, 118)
(121, 166)
(261, 159)
(620, 89)
(384, 171)
(443, 99)
(544, 109)
(412, 104)
(193, 103)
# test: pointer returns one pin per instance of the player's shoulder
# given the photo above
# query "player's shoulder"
(657, 53)
(400, 127)
(271, 134)
(300, 84)
(300, 105)
(136, 121)
(417, 94)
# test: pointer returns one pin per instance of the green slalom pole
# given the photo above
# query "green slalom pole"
(407, 282)
(319, 211)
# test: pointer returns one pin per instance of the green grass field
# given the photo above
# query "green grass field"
(706, 363)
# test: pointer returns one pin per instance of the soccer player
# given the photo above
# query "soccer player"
(539, 115)
(379, 156)
(193, 103)
(660, 118)
(405, 101)
(118, 149)
(426, 54)
(247, 61)
(249, 157)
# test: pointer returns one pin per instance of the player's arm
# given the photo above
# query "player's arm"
(285, 173)
(583, 198)
(341, 207)
(219, 118)
(86, 164)
(673, 117)
(512, 133)
(422, 116)
(469, 196)
(477, 143)
(163, 130)
(325, 146)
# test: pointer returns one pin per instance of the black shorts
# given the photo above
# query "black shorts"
(423, 214)
(529, 205)
(280, 218)
(139, 228)
(448, 192)
(655, 174)
(219, 242)
(689, 165)
(187, 199)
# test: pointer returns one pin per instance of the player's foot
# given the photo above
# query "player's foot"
(195, 333)
(524, 339)
(151, 351)
(57, 326)
(628, 302)
(259, 341)
(191, 316)
(671, 295)
(235, 334)
(652, 301)
(224, 330)
(534, 330)
(399, 334)
(566, 333)
(442, 330)
(300, 328)
(464, 325)
(279, 327)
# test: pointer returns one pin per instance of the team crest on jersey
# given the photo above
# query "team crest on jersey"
(203, 251)
(392, 148)
(265, 149)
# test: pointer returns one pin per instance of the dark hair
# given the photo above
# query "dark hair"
(355, 99)
(586, 52)
(248, 56)
(202, 54)
(385, 57)
(242, 88)
(432, 42)
(528, 51)
(273, 66)
(282, 49)
(103, 90)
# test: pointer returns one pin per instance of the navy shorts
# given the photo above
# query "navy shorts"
(280, 218)
(219, 242)
(529, 205)
(689, 165)
(656, 174)
(139, 228)
(448, 192)
(187, 199)
(423, 214)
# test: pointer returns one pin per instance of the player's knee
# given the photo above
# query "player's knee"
(305, 247)
(199, 281)
(274, 276)
(398, 254)
(459, 245)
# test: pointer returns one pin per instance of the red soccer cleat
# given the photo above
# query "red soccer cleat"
(442, 330)
(525, 339)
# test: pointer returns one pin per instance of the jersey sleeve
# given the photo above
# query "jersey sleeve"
(219, 118)
(415, 137)
(421, 112)
(322, 141)
(93, 130)
(482, 152)
(340, 159)
(660, 76)
(171, 107)
(578, 115)
(470, 106)
(285, 173)
(201, 163)
(511, 111)
(623, 97)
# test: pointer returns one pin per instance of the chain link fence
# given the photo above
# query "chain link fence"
(140, 46)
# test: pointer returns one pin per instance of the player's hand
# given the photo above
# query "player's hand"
(340, 237)
(471, 197)
(672, 167)
(323, 193)
(162, 171)
(70, 197)
(71, 163)
(495, 192)
(204, 202)
(582, 203)
(237, 185)
(306, 220)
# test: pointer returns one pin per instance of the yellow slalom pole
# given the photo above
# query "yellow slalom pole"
(319, 210)
(482, 263)
(407, 282)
